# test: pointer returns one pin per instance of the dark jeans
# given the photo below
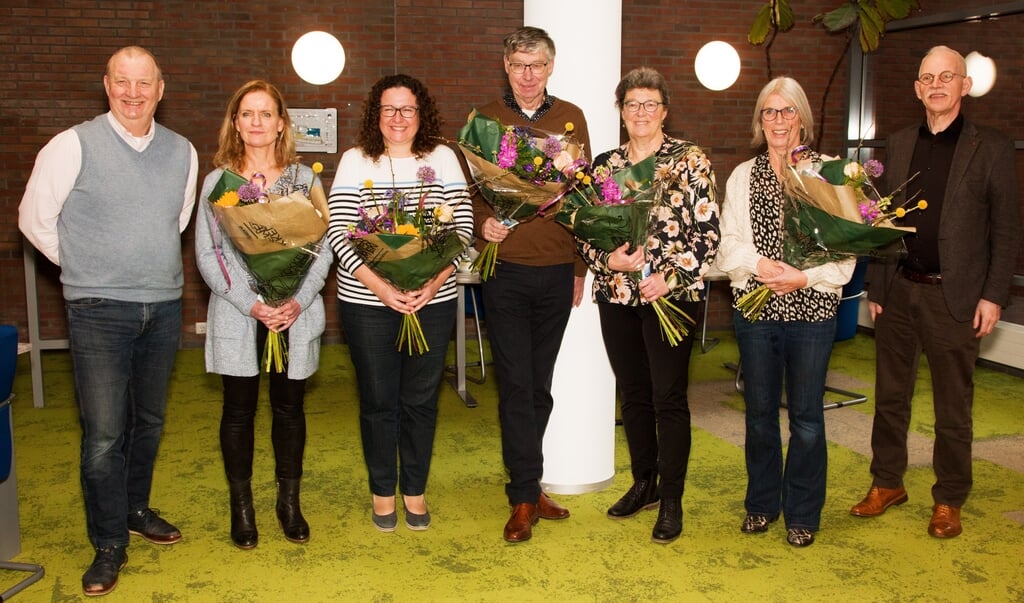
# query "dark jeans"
(652, 379)
(793, 354)
(123, 355)
(915, 318)
(527, 310)
(237, 421)
(397, 392)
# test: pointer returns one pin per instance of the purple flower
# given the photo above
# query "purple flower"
(874, 168)
(249, 192)
(426, 174)
(508, 153)
(610, 191)
(552, 147)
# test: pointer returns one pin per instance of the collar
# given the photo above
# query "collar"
(510, 101)
(951, 133)
(138, 143)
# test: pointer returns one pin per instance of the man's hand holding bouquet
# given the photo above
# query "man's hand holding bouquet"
(517, 171)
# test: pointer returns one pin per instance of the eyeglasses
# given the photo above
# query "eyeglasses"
(633, 106)
(769, 113)
(407, 111)
(945, 77)
(535, 68)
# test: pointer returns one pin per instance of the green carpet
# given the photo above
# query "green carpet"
(462, 557)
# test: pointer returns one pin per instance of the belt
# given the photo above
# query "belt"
(925, 278)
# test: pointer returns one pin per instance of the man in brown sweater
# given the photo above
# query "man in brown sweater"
(538, 279)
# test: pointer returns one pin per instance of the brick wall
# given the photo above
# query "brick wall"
(56, 52)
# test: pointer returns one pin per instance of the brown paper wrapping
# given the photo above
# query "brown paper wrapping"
(286, 221)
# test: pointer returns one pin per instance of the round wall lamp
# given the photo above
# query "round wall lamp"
(318, 57)
(717, 65)
(982, 71)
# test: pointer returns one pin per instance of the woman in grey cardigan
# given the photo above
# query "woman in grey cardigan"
(256, 138)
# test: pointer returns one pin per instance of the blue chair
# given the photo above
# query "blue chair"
(8, 356)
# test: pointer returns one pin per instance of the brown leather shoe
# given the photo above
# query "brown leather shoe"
(878, 500)
(549, 509)
(520, 525)
(945, 522)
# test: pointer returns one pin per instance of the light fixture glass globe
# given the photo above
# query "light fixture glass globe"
(982, 71)
(318, 57)
(717, 65)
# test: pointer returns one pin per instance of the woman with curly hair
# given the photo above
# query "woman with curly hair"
(397, 153)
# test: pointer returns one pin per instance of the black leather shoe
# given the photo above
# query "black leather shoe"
(148, 524)
(289, 514)
(243, 517)
(643, 494)
(670, 522)
(101, 577)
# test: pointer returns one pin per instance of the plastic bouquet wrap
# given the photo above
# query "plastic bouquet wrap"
(517, 170)
(407, 244)
(606, 209)
(831, 211)
(278, 237)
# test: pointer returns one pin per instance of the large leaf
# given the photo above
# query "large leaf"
(762, 25)
(840, 18)
(895, 9)
(871, 28)
(776, 14)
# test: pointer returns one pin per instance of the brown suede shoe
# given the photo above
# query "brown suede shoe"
(878, 500)
(945, 522)
(520, 525)
(549, 509)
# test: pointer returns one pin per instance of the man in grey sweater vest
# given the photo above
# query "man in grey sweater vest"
(107, 201)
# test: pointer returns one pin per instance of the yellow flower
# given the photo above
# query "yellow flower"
(317, 167)
(900, 212)
(538, 160)
(587, 180)
(444, 213)
(922, 204)
(368, 184)
(569, 127)
(407, 229)
(228, 199)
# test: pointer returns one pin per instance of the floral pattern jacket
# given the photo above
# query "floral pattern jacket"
(683, 233)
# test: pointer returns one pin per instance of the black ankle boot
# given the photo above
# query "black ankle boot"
(643, 494)
(670, 521)
(243, 516)
(288, 512)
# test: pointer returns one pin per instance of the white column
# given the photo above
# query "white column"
(579, 446)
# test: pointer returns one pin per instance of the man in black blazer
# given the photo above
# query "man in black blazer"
(947, 293)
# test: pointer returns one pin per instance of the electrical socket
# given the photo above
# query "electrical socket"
(200, 328)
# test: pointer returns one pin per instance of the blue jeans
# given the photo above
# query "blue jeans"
(794, 354)
(123, 355)
(397, 392)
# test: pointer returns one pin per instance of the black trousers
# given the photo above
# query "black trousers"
(237, 422)
(652, 378)
(527, 310)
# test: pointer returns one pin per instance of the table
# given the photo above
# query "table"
(464, 279)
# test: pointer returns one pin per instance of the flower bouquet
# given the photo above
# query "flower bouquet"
(278, 237)
(831, 211)
(517, 170)
(606, 209)
(407, 244)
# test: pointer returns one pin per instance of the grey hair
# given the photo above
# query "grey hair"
(793, 93)
(529, 39)
(641, 77)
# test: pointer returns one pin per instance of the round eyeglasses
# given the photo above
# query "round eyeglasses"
(945, 77)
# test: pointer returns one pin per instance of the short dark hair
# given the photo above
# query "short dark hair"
(641, 77)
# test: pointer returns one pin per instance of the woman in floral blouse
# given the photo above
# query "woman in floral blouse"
(681, 244)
